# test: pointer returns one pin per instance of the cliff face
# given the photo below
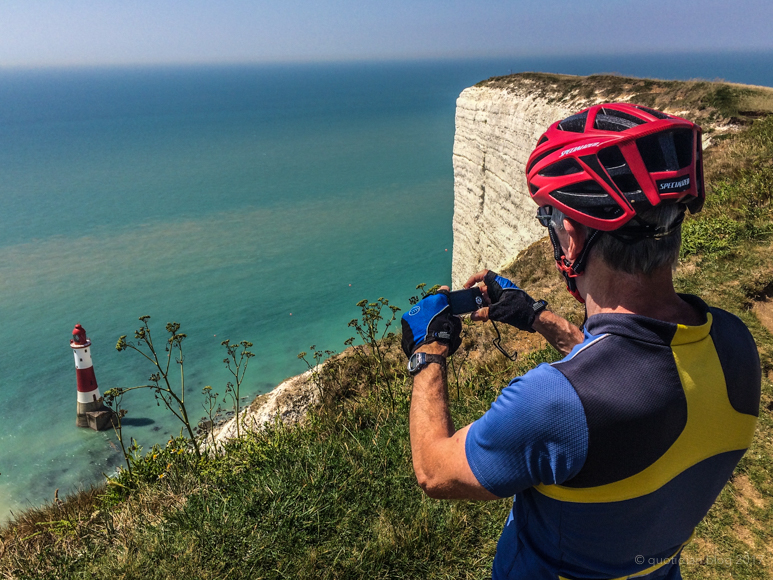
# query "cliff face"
(496, 130)
(288, 402)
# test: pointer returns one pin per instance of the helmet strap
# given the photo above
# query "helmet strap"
(637, 229)
(572, 270)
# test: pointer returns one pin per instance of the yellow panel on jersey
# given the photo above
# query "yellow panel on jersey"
(713, 425)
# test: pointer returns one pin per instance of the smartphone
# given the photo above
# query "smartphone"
(464, 301)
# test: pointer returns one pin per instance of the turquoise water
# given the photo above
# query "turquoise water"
(256, 203)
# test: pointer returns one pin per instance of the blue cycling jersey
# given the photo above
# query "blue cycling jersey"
(615, 453)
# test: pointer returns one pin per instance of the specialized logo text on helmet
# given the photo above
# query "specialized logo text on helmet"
(680, 185)
(578, 148)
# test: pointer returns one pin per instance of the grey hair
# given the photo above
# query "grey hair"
(642, 255)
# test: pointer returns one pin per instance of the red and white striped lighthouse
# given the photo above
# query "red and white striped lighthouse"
(91, 410)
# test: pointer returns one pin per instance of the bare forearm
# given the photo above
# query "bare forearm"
(430, 418)
(558, 331)
(438, 449)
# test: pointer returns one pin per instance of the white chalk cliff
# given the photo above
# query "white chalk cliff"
(496, 130)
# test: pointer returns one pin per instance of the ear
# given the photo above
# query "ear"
(576, 235)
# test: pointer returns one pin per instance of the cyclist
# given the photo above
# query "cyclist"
(616, 452)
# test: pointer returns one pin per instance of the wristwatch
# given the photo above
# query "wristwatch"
(539, 306)
(419, 360)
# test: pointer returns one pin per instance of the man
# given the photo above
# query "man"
(616, 452)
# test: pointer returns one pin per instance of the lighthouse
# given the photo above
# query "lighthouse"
(91, 410)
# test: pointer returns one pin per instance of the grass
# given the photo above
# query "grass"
(711, 104)
(336, 497)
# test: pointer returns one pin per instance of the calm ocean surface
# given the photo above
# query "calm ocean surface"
(224, 198)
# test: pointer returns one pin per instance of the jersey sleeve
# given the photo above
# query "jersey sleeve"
(535, 432)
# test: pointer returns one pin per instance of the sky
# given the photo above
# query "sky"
(129, 32)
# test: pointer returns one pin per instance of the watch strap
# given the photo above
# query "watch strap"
(419, 360)
(539, 306)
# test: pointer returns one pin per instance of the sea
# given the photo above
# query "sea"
(251, 202)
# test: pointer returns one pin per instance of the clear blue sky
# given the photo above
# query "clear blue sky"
(98, 32)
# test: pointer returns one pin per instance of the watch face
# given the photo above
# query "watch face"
(415, 362)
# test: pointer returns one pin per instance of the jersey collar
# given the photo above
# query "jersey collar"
(647, 329)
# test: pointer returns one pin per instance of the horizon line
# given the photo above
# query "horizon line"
(377, 60)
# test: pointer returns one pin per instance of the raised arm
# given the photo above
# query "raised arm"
(558, 331)
(438, 449)
(513, 306)
(430, 334)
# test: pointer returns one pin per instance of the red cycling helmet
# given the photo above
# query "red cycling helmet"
(599, 165)
(602, 165)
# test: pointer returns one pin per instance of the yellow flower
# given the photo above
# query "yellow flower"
(162, 475)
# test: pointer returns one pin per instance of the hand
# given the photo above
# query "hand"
(431, 321)
(509, 304)
(481, 314)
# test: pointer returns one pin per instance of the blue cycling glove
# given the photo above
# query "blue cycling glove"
(431, 321)
(509, 304)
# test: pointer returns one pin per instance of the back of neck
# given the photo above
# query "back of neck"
(652, 295)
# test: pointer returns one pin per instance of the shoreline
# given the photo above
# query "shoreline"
(288, 402)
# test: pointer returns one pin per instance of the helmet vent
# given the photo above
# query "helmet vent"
(575, 123)
(563, 167)
(540, 157)
(696, 204)
(666, 151)
(542, 140)
(653, 112)
(699, 166)
(613, 120)
(683, 142)
(596, 203)
(613, 161)
(582, 192)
